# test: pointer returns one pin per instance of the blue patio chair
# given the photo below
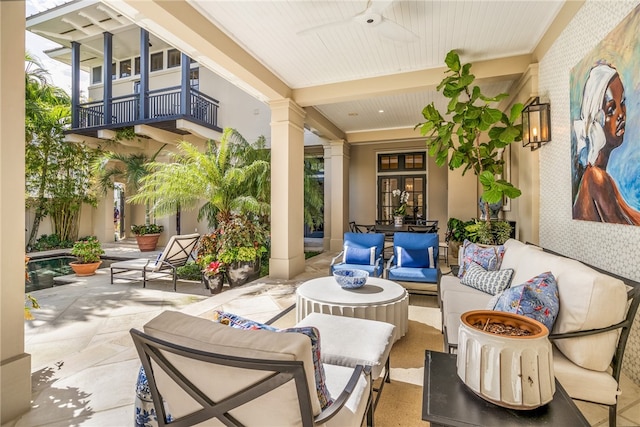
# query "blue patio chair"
(362, 251)
(414, 259)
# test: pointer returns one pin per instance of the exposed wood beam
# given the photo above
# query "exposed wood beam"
(485, 71)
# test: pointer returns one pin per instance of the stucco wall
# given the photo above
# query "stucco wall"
(612, 247)
(363, 183)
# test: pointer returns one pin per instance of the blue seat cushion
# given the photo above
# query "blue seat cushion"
(408, 274)
(371, 269)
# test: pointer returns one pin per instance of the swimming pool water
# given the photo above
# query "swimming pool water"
(42, 271)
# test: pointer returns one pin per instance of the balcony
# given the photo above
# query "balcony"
(164, 110)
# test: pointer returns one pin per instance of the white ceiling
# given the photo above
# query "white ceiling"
(279, 35)
(478, 30)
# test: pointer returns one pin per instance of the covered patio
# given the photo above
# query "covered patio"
(84, 364)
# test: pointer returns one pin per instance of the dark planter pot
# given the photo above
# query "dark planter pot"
(147, 242)
(241, 272)
(214, 283)
(88, 269)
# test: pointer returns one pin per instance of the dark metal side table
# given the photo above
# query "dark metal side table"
(447, 401)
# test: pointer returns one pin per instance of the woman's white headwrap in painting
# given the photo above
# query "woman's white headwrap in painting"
(589, 129)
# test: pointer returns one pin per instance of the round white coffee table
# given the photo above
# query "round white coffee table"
(379, 299)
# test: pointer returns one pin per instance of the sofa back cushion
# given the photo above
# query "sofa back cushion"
(588, 300)
(220, 382)
(513, 253)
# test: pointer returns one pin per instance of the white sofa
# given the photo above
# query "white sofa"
(589, 300)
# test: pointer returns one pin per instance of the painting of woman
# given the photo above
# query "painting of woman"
(600, 130)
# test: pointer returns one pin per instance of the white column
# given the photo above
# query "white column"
(287, 189)
(15, 365)
(339, 192)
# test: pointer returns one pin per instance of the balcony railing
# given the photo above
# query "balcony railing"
(164, 104)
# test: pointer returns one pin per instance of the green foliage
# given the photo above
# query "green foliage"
(474, 134)
(189, 271)
(141, 230)
(87, 250)
(313, 193)
(227, 183)
(50, 241)
(30, 303)
(456, 230)
(488, 232)
(57, 173)
(238, 238)
(130, 169)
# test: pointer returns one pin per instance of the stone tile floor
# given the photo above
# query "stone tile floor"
(83, 362)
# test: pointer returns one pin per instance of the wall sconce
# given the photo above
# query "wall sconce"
(536, 124)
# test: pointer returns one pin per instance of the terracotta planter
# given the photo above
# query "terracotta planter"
(511, 371)
(147, 242)
(241, 272)
(214, 283)
(85, 269)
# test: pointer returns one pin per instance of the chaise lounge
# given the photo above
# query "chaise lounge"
(175, 254)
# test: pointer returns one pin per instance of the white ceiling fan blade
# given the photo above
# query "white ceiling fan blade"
(326, 26)
(395, 31)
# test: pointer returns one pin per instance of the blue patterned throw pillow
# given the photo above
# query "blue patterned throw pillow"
(239, 322)
(489, 257)
(491, 282)
(536, 298)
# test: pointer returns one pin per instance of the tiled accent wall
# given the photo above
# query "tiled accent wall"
(615, 248)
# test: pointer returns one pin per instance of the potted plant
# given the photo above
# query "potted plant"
(488, 232)
(241, 242)
(400, 211)
(213, 276)
(499, 352)
(88, 252)
(455, 235)
(147, 236)
(471, 133)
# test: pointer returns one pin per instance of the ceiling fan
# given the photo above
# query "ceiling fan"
(371, 17)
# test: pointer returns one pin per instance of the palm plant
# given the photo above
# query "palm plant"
(226, 183)
(128, 168)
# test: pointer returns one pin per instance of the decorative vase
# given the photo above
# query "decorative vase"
(214, 282)
(86, 269)
(398, 220)
(147, 242)
(511, 371)
(240, 272)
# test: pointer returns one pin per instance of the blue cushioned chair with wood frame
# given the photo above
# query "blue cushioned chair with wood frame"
(414, 261)
(362, 251)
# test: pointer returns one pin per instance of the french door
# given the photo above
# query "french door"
(414, 185)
